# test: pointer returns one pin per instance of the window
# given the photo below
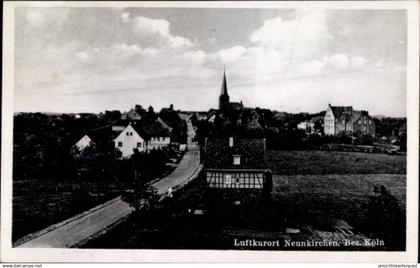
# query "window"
(120, 144)
(127, 133)
(236, 159)
(228, 179)
(139, 145)
(131, 133)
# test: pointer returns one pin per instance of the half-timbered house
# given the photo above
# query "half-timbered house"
(232, 163)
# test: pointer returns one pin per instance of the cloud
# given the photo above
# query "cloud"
(143, 26)
(357, 62)
(338, 62)
(198, 56)
(83, 55)
(159, 28)
(301, 37)
(125, 17)
(230, 54)
(128, 51)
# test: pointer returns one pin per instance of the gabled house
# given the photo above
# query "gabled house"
(158, 134)
(314, 125)
(318, 122)
(236, 163)
(307, 126)
(130, 139)
(84, 142)
(343, 118)
(131, 115)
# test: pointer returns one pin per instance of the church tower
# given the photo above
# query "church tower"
(224, 96)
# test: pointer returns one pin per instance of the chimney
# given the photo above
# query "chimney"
(230, 141)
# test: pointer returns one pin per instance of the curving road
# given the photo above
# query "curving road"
(87, 224)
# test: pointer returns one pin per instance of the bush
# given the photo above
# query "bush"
(385, 218)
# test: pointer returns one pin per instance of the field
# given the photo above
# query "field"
(37, 205)
(322, 185)
(334, 162)
(314, 199)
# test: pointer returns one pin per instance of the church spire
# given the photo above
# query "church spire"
(224, 96)
(224, 84)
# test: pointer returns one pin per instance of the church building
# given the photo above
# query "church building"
(225, 106)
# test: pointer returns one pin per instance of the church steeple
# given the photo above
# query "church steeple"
(224, 84)
(224, 96)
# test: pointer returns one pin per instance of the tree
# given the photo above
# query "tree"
(144, 196)
(385, 218)
(140, 110)
(150, 115)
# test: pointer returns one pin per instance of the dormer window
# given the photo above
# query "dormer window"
(236, 160)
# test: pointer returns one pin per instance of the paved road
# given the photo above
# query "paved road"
(75, 231)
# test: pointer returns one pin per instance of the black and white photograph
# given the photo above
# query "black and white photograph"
(210, 128)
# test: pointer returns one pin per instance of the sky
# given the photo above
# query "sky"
(88, 59)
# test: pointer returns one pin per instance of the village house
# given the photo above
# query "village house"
(130, 139)
(343, 118)
(131, 115)
(135, 135)
(155, 135)
(158, 134)
(314, 125)
(307, 126)
(84, 142)
(236, 163)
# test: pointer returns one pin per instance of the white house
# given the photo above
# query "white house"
(128, 140)
(159, 134)
(307, 126)
(159, 142)
(84, 142)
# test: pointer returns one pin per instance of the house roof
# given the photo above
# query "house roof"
(316, 119)
(158, 128)
(338, 110)
(131, 115)
(220, 156)
(235, 105)
(347, 114)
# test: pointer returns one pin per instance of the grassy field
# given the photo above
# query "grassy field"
(314, 199)
(334, 162)
(37, 205)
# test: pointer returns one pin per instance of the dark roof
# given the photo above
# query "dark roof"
(338, 110)
(220, 156)
(131, 115)
(346, 113)
(158, 128)
(101, 134)
(235, 105)
(316, 119)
